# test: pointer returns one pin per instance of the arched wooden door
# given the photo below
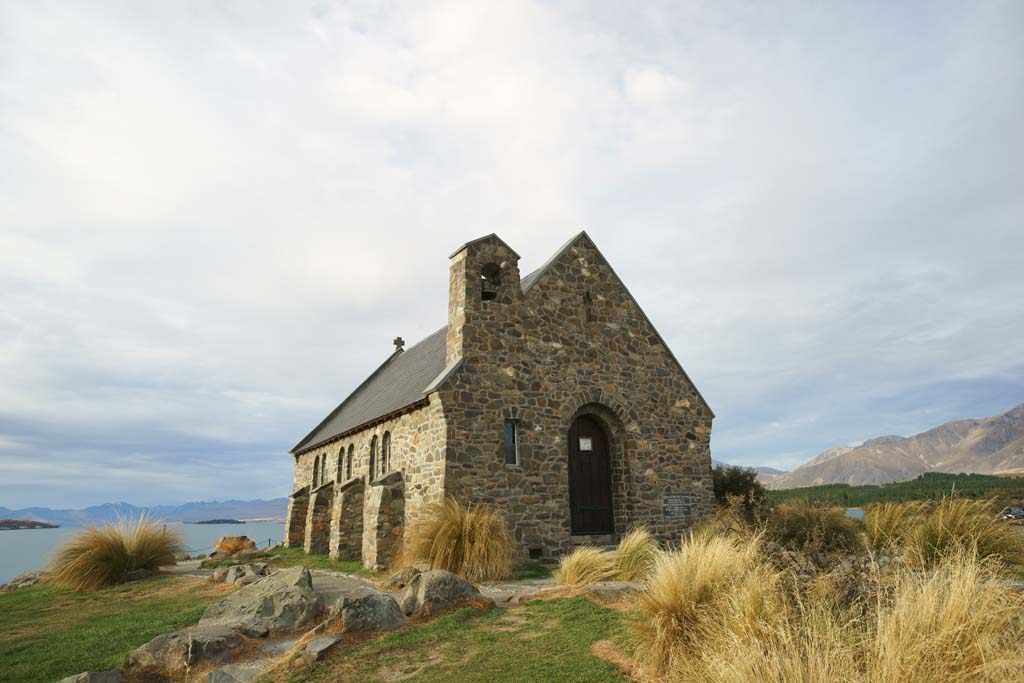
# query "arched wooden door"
(590, 478)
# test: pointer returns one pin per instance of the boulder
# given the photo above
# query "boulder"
(237, 673)
(244, 574)
(219, 574)
(367, 610)
(187, 647)
(434, 591)
(281, 601)
(24, 580)
(401, 578)
(232, 544)
(317, 647)
(112, 676)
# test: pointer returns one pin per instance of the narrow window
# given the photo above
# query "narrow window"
(385, 453)
(512, 443)
(373, 458)
(348, 462)
(340, 477)
(316, 471)
(588, 306)
(490, 281)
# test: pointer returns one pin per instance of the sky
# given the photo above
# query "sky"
(216, 216)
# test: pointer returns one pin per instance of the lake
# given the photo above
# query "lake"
(28, 549)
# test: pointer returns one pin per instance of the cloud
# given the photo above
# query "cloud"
(215, 218)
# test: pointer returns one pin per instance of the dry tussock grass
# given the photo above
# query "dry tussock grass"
(473, 542)
(716, 612)
(635, 555)
(586, 564)
(99, 556)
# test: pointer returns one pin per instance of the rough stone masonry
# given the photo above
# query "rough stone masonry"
(550, 396)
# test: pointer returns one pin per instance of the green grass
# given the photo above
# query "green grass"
(531, 569)
(47, 633)
(544, 640)
(929, 486)
(295, 557)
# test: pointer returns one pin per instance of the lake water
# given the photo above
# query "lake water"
(28, 549)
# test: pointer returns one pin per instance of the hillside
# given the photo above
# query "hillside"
(187, 512)
(991, 445)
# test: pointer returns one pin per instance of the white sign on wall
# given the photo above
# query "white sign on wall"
(586, 444)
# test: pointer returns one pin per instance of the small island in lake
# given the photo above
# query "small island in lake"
(25, 524)
(220, 521)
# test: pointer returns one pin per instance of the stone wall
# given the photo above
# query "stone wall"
(347, 520)
(384, 521)
(295, 522)
(318, 519)
(537, 358)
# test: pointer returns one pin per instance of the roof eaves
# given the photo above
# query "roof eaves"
(443, 377)
(484, 239)
(536, 275)
(301, 444)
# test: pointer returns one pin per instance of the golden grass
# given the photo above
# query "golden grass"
(473, 542)
(99, 556)
(886, 525)
(232, 544)
(715, 612)
(635, 555)
(961, 524)
(586, 564)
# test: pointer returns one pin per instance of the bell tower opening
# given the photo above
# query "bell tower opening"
(490, 281)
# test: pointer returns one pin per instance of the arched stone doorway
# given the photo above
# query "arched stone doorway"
(590, 477)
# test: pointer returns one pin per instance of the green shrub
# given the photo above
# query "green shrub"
(99, 556)
(812, 528)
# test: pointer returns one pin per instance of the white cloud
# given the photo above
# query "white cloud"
(214, 218)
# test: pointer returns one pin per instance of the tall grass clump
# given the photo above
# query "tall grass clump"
(812, 528)
(584, 565)
(473, 542)
(99, 556)
(959, 523)
(635, 555)
(887, 525)
(955, 624)
(708, 579)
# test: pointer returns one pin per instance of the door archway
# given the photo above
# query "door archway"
(590, 477)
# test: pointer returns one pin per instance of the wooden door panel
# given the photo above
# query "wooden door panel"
(590, 491)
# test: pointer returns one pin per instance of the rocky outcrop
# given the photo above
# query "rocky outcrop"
(238, 673)
(112, 676)
(190, 646)
(280, 602)
(319, 646)
(401, 578)
(367, 609)
(240, 574)
(434, 591)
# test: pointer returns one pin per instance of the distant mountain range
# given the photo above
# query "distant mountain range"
(991, 445)
(189, 512)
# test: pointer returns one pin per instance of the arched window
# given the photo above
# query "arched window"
(490, 281)
(373, 458)
(340, 477)
(348, 462)
(385, 453)
(316, 471)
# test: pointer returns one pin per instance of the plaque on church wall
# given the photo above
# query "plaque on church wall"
(675, 506)
(586, 444)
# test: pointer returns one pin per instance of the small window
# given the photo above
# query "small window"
(490, 281)
(373, 458)
(316, 471)
(385, 453)
(512, 443)
(348, 462)
(588, 306)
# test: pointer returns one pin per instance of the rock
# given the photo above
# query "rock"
(319, 646)
(367, 610)
(244, 574)
(24, 580)
(401, 578)
(173, 651)
(248, 554)
(237, 673)
(112, 676)
(278, 649)
(136, 575)
(280, 602)
(433, 591)
(219, 574)
(233, 544)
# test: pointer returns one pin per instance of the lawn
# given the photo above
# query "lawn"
(47, 634)
(542, 640)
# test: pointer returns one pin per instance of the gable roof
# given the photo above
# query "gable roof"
(407, 376)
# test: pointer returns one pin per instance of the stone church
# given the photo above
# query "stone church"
(550, 396)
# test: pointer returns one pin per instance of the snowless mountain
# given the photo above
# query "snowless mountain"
(188, 512)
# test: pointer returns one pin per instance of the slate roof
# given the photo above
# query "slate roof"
(406, 376)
